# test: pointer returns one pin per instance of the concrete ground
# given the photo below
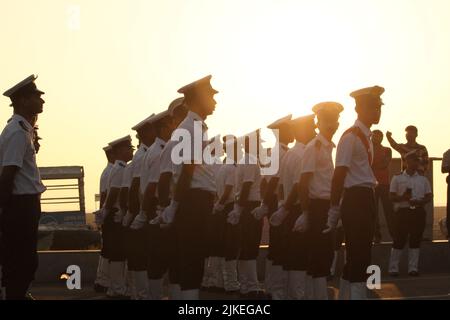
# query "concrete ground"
(425, 287)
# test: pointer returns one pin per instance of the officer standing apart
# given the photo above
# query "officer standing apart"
(195, 188)
(354, 183)
(20, 191)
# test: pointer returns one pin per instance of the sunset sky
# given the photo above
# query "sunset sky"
(106, 65)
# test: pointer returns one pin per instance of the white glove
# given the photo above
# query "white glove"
(218, 208)
(127, 219)
(334, 214)
(234, 215)
(261, 211)
(168, 214)
(140, 221)
(158, 218)
(278, 217)
(118, 216)
(302, 223)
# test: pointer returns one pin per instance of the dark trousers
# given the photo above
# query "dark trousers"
(251, 233)
(321, 250)
(190, 223)
(159, 253)
(216, 234)
(19, 228)
(232, 237)
(448, 205)
(358, 218)
(275, 253)
(295, 247)
(382, 194)
(138, 249)
(410, 224)
(115, 241)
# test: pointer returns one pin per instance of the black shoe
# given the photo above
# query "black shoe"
(394, 274)
(99, 288)
(119, 297)
(216, 290)
(414, 274)
(232, 292)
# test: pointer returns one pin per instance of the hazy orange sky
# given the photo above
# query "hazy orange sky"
(106, 65)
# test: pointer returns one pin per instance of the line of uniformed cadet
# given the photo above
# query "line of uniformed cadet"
(201, 222)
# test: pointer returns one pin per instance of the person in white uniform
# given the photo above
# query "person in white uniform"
(112, 227)
(101, 283)
(295, 244)
(410, 192)
(352, 192)
(20, 191)
(315, 191)
(273, 195)
(194, 190)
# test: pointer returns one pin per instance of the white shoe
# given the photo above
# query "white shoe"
(242, 273)
(230, 276)
(320, 288)
(206, 281)
(141, 284)
(103, 272)
(394, 261)
(358, 291)
(344, 290)
(118, 279)
(131, 285)
(279, 283)
(309, 288)
(413, 260)
(155, 287)
(296, 285)
(190, 294)
(252, 276)
(174, 292)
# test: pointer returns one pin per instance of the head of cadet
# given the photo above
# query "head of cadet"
(328, 114)
(26, 97)
(199, 96)
(283, 126)
(368, 104)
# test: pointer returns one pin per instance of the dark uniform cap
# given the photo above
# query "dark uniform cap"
(143, 123)
(202, 85)
(24, 87)
(304, 121)
(328, 107)
(120, 141)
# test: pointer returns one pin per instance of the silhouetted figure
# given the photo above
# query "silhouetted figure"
(410, 145)
(410, 192)
(20, 190)
(446, 169)
(382, 157)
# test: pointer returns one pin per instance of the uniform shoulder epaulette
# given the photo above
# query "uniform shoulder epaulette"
(24, 127)
(162, 146)
(122, 165)
(353, 130)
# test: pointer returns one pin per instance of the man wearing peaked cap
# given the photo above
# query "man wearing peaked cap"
(20, 189)
(273, 194)
(354, 174)
(194, 190)
(102, 280)
(295, 247)
(315, 190)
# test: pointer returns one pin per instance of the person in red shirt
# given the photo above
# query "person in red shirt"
(380, 166)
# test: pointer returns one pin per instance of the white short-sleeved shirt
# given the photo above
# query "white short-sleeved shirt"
(283, 149)
(17, 149)
(353, 154)
(133, 169)
(104, 178)
(151, 164)
(290, 175)
(226, 176)
(318, 160)
(248, 172)
(420, 186)
(203, 176)
(116, 177)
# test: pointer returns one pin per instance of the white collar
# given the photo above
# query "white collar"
(324, 141)
(120, 163)
(19, 118)
(160, 141)
(194, 116)
(363, 128)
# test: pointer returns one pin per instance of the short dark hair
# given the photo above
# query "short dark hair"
(412, 128)
(377, 132)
